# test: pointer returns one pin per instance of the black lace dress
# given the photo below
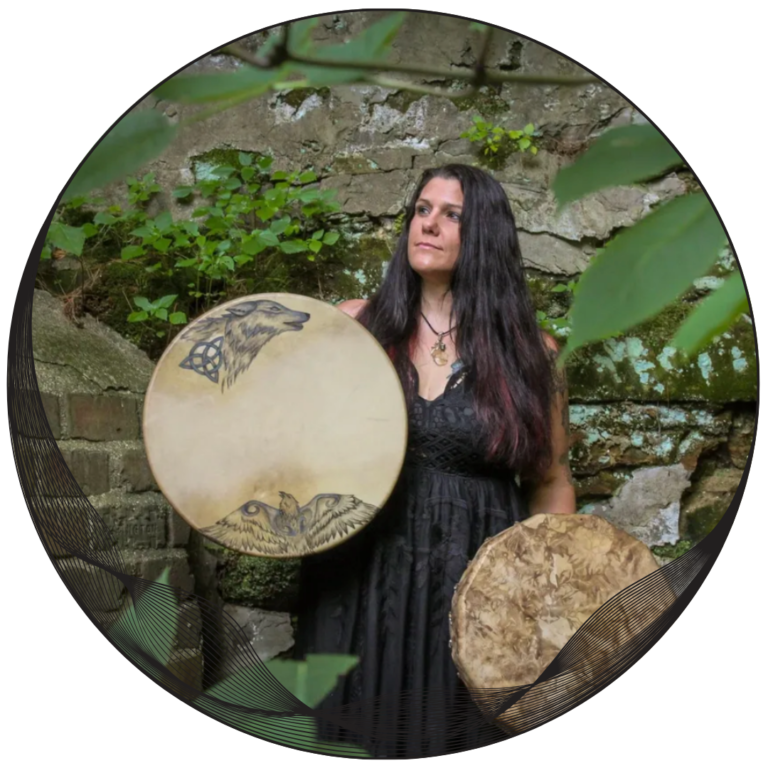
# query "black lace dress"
(385, 594)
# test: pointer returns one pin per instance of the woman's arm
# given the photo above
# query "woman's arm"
(352, 307)
(554, 493)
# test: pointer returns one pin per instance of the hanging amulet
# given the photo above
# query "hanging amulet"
(438, 352)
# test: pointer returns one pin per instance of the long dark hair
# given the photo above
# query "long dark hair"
(509, 371)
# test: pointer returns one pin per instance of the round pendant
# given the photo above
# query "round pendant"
(439, 356)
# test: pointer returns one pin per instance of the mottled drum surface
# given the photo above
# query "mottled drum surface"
(276, 425)
(532, 586)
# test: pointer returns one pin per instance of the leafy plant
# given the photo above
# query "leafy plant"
(649, 265)
(241, 210)
(146, 632)
(495, 138)
(666, 250)
(156, 310)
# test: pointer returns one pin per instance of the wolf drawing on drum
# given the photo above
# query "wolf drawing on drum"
(290, 530)
(241, 332)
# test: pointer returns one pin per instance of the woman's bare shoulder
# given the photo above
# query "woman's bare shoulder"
(352, 307)
(550, 342)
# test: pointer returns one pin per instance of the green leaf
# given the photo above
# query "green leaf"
(315, 246)
(104, 218)
(312, 680)
(266, 212)
(166, 301)
(244, 158)
(529, 129)
(279, 176)
(177, 318)
(243, 83)
(623, 155)
(330, 238)
(559, 288)
(268, 238)
(135, 140)
(144, 303)
(278, 226)
(69, 239)
(247, 173)
(645, 268)
(216, 226)
(223, 171)
(524, 143)
(164, 221)
(265, 162)
(308, 177)
(89, 230)
(293, 246)
(252, 246)
(712, 316)
(161, 314)
(145, 232)
(45, 253)
(131, 252)
(372, 44)
(534, 150)
(161, 244)
(300, 33)
(318, 235)
(137, 317)
(308, 195)
(183, 192)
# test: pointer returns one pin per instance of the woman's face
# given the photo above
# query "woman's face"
(433, 238)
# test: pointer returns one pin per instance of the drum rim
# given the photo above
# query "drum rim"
(457, 614)
(276, 296)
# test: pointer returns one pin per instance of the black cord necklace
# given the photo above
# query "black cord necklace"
(438, 350)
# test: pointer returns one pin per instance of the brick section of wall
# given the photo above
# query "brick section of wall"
(52, 408)
(178, 530)
(133, 472)
(149, 564)
(89, 468)
(135, 522)
(103, 417)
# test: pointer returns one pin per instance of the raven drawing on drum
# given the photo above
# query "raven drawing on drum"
(290, 530)
(229, 342)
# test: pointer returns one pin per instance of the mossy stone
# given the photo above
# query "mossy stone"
(259, 582)
(641, 365)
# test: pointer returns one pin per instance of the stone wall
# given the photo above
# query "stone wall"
(658, 446)
(92, 384)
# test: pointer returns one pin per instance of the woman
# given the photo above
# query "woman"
(488, 445)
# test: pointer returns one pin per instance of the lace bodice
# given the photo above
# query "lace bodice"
(443, 434)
